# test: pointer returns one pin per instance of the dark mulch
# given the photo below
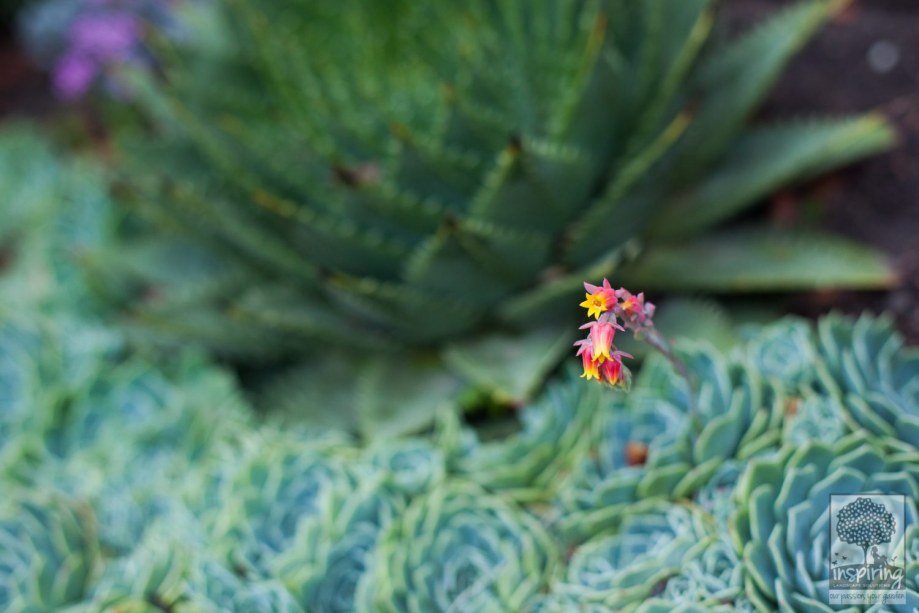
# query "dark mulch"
(867, 59)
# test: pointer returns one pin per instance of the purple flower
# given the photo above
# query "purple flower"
(81, 41)
(73, 76)
(106, 38)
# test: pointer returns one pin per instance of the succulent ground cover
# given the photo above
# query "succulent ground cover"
(132, 485)
(119, 491)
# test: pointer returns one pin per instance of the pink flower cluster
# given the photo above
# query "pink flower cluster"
(600, 357)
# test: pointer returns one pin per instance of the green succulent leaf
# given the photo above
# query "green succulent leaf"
(755, 260)
(395, 397)
(763, 160)
(511, 367)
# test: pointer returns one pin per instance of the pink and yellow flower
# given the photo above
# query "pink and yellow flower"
(614, 310)
(601, 336)
(610, 371)
(599, 299)
(591, 364)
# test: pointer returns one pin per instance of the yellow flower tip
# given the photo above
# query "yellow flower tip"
(595, 304)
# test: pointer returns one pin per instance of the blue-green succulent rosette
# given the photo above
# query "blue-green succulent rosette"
(49, 549)
(459, 548)
(254, 506)
(867, 368)
(663, 442)
(632, 463)
(168, 570)
(637, 560)
(44, 362)
(782, 523)
(784, 351)
(332, 550)
(408, 467)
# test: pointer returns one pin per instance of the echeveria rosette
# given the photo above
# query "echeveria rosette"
(261, 500)
(408, 467)
(556, 436)
(331, 553)
(739, 411)
(165, 573)
(154, 573)
(48, 552)
(611, 480)
(651, 447)
(784, 351)
(623, 568)
(811, 416)
(129, 431)
(213, 588)
(867, 368)
(459, 548)
(781, 526)
(45, 363)
(712, 581)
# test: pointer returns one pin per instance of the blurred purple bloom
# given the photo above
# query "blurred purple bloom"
(73, 76)
(105, 37)
(80, 40)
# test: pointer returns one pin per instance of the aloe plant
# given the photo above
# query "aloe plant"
(430, 185)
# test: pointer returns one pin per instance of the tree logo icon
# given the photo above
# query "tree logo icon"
(865, 558)
(865, 523)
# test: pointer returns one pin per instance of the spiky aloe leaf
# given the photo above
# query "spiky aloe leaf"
(765, 159)
(755, 260)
